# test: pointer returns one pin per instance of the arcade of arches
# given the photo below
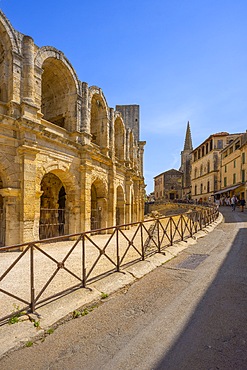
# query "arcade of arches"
(68, 162)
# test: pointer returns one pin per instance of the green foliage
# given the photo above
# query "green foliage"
(36, 324)
(104, 295)
(29, 344)
(50, 331)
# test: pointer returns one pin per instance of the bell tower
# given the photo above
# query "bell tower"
(186, 162)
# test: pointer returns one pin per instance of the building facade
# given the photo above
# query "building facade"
(206, 166)
(66, 156)
(168, 185)
(233, 169)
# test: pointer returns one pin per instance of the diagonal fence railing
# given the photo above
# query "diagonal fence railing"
(35, 273)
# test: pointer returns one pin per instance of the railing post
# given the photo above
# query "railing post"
(171, 237)
(117, 245)
(158, 232)
(182, 230)
(142, 243)
(83, 262)
(32, 279)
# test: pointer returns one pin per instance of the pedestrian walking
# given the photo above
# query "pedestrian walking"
(234, 201)
(242, 204)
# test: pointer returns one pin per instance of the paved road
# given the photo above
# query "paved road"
(190, 313)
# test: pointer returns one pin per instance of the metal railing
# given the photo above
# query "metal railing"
(40, 271)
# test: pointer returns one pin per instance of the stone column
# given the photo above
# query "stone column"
(85, 199)
(11, 206)
(141, 151)
(128, 210)
(30, 200)
(28, 107)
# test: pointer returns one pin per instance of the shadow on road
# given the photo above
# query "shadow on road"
(216, 335)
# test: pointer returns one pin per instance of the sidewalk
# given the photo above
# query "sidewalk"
(60, 310)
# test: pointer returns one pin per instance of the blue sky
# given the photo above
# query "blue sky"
(180, 60)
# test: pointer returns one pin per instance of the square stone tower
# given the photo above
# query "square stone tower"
(131, 117)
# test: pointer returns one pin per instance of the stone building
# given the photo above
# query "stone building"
(67, 158)
(185, 167)
(206, 165)
(168, 185)
(233, 169)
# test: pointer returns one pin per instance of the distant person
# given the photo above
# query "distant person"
(217, 202)
(242, 204)
(234, 201)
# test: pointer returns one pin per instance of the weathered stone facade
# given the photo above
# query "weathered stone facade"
(62, 147)
(168, 185)
(206, 165)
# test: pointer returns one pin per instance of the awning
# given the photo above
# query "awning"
(228, 189)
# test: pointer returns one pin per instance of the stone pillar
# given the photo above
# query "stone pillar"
(85, 118)
(111, 133)
(85, 199)
(28, 107)
(30, 200)
(111, 197)
(141, 153)
(128, 210)
(11, 206)
(28, 69)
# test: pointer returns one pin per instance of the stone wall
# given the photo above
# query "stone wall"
(59, 136)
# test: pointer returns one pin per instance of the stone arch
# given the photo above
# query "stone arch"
(98, 204)
(120, 205)
(57, 189)
(119, 138)
(99, 118)
(8, 45)
(59, 88)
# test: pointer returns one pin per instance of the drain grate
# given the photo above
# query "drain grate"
(192, 261)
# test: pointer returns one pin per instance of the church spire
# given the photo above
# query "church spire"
(188, 140)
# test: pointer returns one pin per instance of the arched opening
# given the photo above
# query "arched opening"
(58, 96)
(52, 207)
(2, 218)
(120, 218)
(119, 139)
(95, 210)
(98, 122)
(98, 205)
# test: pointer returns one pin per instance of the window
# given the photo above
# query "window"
(208, 166)
(243, 158)
(234, 179)
(201, 170)
(225, 168)
(234, 163)
(220, 144)
(208, 187)
(201, 188)
(243, 175)
(195, 189)
(195, 173)
(225, 181)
